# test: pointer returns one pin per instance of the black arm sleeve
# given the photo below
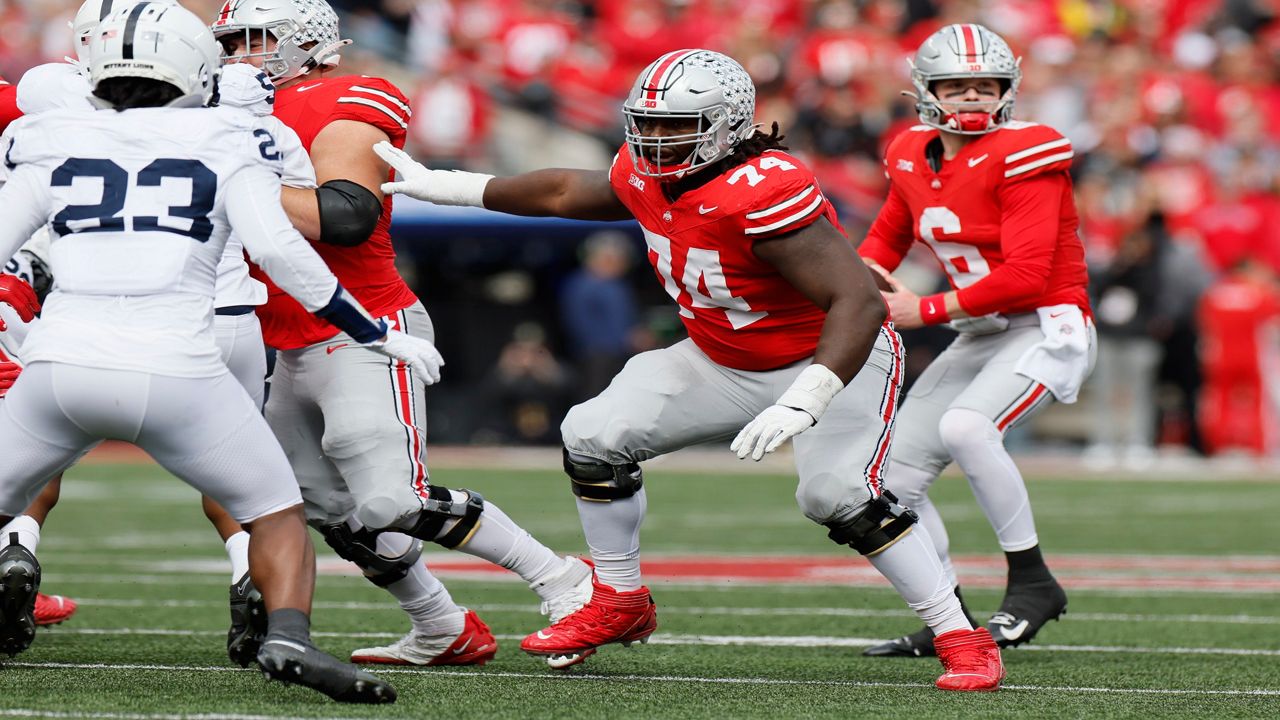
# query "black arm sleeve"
(349, 212)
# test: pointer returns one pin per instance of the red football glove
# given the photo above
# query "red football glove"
(8, 375)
(16, 292)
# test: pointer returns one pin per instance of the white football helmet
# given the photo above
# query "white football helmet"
(160, 41)
(964, 51)
(690, 84)
(305, 34)
(91, 13)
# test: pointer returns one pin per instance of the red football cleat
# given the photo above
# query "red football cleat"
(608, 617)
(475, 645)
(971, 659)
(53, 609)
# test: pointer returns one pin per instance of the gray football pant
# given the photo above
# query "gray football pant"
(353, 425)
(206, 431)
(668, 399)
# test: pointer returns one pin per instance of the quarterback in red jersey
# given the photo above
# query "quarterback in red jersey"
(352, 424)
(991, 197)
(787, 338)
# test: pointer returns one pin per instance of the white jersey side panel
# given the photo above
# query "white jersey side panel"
(137, 202)
(234, 286)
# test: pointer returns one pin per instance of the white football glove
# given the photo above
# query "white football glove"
(797, 410)
(420, 355)
(442, 187)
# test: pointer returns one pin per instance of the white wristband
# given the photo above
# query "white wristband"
(812, 390)
(457, 187)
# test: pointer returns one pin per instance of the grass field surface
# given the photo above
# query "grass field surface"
(1174, 609)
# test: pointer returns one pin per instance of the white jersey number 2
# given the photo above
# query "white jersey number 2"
(963, 263)
(701, 268)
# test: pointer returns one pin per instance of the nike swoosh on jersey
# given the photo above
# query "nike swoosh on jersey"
(1057, 314)
(980, 158)
(704, 210)
(1015, 632)
(329, 350)
(305, 88)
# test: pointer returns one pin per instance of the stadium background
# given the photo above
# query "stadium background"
(1173, 108)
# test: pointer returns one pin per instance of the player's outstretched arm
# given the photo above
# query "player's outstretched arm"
(819, 262)
(555, 192)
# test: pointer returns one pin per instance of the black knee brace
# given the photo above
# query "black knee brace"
(440, 509)
(882, 523)
(360, 547)
(599, 482)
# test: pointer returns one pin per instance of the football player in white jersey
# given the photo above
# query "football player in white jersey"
(141, 197)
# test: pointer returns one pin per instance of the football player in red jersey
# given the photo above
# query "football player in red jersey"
(787, 338)
(354, 429)
(991, 197)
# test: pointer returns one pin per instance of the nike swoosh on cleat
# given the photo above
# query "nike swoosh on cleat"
(543, 636)
(465, 645)
(1017, 630)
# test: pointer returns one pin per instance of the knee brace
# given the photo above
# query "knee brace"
(439, 509)
(880, 524)
(598, 482)
(358, 546)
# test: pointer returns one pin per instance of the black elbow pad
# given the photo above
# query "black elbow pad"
(349, 212)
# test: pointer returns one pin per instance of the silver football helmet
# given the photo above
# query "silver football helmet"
(700, 85)
(305, 34)
(160, 41)
(964, 51)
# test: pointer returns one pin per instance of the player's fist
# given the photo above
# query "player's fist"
(8, 375)
(442, 187)
(17, 293)
(418, 354)
(769, 429)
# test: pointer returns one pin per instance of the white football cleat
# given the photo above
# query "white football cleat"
(475, 645)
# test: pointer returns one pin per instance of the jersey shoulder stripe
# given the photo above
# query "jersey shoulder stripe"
(395, 101)
(780, 206)
(1037, 149)
(377, 106)
(797, 219)
(1039, 163)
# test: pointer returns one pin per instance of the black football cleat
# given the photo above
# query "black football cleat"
(1026, 609)
(301, 663)
(19, 585)
(917, 644)
(248, 622)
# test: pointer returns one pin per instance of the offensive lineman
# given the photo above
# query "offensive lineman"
(141, 198)
(353, 427)
(991, 197)
(787, 333)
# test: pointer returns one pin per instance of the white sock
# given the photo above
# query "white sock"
(238, 551)
(911, 486)
(421, 595)
(912, 566)
(498, 539)
(613, 535)
(28, 531)
(978, 448)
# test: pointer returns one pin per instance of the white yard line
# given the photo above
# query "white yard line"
(485, 674)
(1235, 619)
(810, 641)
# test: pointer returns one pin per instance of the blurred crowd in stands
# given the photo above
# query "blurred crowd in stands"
(1173, 107)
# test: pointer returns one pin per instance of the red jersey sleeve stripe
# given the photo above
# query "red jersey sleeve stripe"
(1045, 147)
(780, 206)
(376, 105)
(817, 203)
(373, 91)
(1039, 163)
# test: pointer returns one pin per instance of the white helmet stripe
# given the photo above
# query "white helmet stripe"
(662, 70)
